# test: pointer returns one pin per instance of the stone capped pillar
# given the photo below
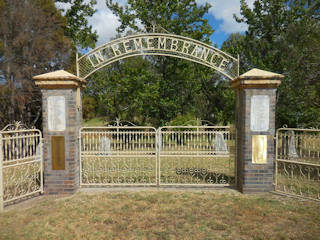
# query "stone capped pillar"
(255, 125)
(62, 118)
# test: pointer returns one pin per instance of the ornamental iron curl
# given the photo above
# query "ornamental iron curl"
(299, 176)
(171, 155)
(21, 166)
(16, 126)
(161, 44)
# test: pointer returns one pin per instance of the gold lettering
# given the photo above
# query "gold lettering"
(185, 47)
(223, 64)
(162, 43)
(89, 58)
(150, 43)
(137, 43)
(116, 50)
(174, 44)
(127, 47)
(215, 59)
(195, 51)
(205, 53)
(99, 57)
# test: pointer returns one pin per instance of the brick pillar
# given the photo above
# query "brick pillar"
(62, 118)
(255, 125)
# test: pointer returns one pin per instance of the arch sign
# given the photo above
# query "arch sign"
(157, 44)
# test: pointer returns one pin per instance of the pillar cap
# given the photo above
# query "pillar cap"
(256, 78)
(59, 79)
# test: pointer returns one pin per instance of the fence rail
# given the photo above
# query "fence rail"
(118, 156)
(21, 166)
(171, 155)
(298, 162)
(196, 155)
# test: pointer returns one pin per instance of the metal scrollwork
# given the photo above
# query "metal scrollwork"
(161, 44)
(21, 161)
(16, 126)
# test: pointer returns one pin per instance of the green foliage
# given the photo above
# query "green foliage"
(78, 28)
(181, 120)
(88, 107)
(284, 37)
(154, 89)
(33, 42)
(236, 45)
(126, 90)
(180, 17)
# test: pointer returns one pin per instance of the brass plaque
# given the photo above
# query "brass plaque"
(58, 153)
(259, 149)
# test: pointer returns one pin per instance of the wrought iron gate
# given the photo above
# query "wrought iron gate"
(196, 155)
(297, 166)
(21, 159)
(175, 155)
(118, 156)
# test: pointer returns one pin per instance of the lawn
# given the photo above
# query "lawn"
(94, 122)
(173, 170)
(159, 214)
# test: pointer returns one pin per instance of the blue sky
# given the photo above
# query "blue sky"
(218, 36)
(220, 18)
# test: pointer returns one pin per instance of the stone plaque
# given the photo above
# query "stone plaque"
(259, 149)
(105, 146)
(220, 145)
(58, 153)
(260, 107)
(292, 146)
(56, 113)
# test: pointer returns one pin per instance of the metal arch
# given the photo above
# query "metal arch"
(160, 44)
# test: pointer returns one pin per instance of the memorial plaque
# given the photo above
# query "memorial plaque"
(259, 149)
(58, 153)
(56, 113)
(105, 146)
(292, 146)
(260, 107)
(220, 145)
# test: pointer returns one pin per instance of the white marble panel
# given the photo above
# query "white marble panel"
(56, 113)
(260, 109)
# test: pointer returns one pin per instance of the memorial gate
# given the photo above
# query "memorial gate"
(244, 156)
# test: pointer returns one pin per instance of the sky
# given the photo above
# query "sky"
(220, 17)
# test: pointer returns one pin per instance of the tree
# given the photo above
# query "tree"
(126, 90)
(77, 27)
(179, 85)
(33, 41)
(283, 37)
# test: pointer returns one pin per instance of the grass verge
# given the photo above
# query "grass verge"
(94, 122)
(163, 215)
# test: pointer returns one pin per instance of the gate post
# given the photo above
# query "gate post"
(62, 118)
(255, 126)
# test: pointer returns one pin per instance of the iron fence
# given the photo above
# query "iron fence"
(121, 155)
(21, 169)
(297, 166)
(196, 155)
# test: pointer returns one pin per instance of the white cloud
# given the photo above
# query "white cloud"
(104, 22)
(224, 10)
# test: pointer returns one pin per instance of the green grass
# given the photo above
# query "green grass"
(173, 170)
(94, 122)
(163, 215)
(298, 179)
(20, 180)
